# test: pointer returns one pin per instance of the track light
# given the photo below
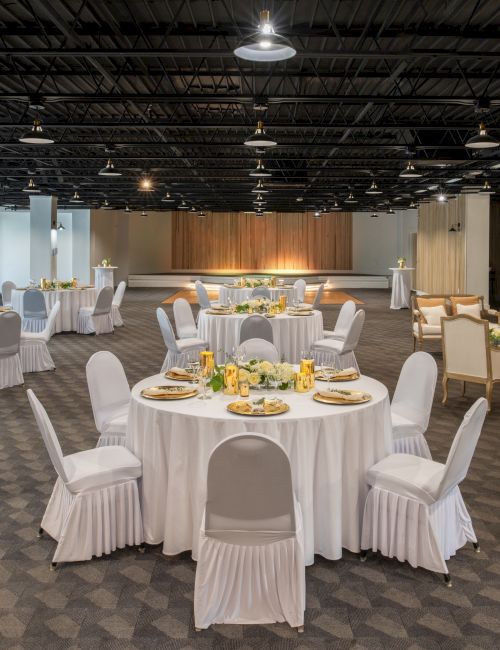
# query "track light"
(260, 171)
(36, 135)
(31, 187)
(260, 138)
(259, 188)
(409, 171)
(373, 189)
(76, 198)
(350, 198)
(264, 44)
(109, 170)
(482, 140)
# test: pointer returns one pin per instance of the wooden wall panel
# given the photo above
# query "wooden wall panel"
(495, 252)
(235, 241)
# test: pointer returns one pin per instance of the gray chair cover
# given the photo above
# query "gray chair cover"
(261, 292)
(10, 333)
(202, 294)
(167, 331)
(318, 296)
(34, 304)
(256, 326)
(184, 319)
(103, 302)
(7, 287)
(258, 349)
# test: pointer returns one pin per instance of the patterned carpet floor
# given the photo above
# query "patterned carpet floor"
(128, 600)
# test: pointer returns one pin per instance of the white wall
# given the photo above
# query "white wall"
(477, 237)
(377, 243)
(80, 225)
(65, 246)
(15, 247)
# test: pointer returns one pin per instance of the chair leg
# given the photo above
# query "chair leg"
(141, 548)
(463, 388)
(414, 344)
(300, 629)
(53, 566)
(198, 629)
(445, 388)
(363, 555)
(447, 580)
(489, 394)
(477, 548)
(40, 533)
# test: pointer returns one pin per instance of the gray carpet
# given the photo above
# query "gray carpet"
(128, 600)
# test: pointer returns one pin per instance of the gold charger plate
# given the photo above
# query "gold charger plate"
(170, 392)
(320, 377)
(241, 408)
(334, 400)
(216, 312)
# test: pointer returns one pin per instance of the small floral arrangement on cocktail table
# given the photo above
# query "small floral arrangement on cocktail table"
(495, 337)
(402, 262)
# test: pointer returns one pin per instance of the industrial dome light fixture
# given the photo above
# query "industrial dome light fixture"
(260, 138)
(259, 188)
(146, 184)
(109, 170)
(31, 187)
(350, 198)
(106, 205)
(144, 214)
(260, 171)
(201, 214)
(409, 171)
(168, 198)
(482, 140)
(317, 215)
(336, 206)
(60, 226)
(487, 189)
(76, 198)
(36, 135)
(265, 45)
(373, 189)
(193, 210)
(183, 205)
(374, 215)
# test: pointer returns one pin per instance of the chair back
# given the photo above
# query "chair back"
(51, 321)
(261, 292)
(344, 319)
(318, 296)
(249, 489)
(465, 342)
(34, 304)
(463, 446)
(10, 333)
(354, 332)
(258, 349)
(7, 287)
(184, 319)
(203, 299)
(256, 326)
(107, 384)
(119, 293)
(103, 302)
(300, 289)
(414, 392)
(48, 434)
(167, 331)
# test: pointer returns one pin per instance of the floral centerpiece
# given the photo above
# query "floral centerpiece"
(495, 337)
(259, 374)
(259, 305)
(56, 284)
(251, 283)
(402, 262)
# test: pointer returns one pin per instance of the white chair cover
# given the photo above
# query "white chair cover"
(318, 296)
(300, 289)
(34, 311)
(110, 397)
(117, 303)
(256, 326)
(258, 349)
(7, 287)
(177, 350)
(251, 539)
(340, 353)
(34, 352)
(344, 320)
(184, 319)
(261, 292)
(97, 319)
(202, 294)
(414, 510)
(11, 373)
(412, 403)
(94, 508)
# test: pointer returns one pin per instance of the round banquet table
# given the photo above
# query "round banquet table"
(71, 300)
(291, 334)
(239, 294)
(330, 449)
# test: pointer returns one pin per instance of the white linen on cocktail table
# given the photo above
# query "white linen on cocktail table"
(71, 300)
(401, 288)
(330, 449)
(239, 294)
(291, 333)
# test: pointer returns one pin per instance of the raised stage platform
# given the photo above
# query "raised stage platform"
(331, 280)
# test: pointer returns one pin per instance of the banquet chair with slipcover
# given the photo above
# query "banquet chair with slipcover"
(184, 319)
(299, 287)
(34, 311)
(251, 538)
(319, 295)
(11, 373)
(340, 353)
(109, 396)
(256, 326)
(412, 404)
(258, 349)
(414, 510)
(97, 319)
(177, 350)
(34, 353)
(201, 292)
(344, 319)
(94, 507)
(7, 288)
(261, 292)
(117, 303)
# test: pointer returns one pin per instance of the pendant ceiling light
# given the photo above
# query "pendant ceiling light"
(317, 215)
(201, 214)
(109, 170)
(441, 197)
(409, 171)
(127, 209)
(259, 200)
(31, 187)
(482, 140)
(36, 135)
(265, 45)
(144, 213)
(260, 171)
(374, 215)
(260, 138)
(486, 189)
(183, 205)
(76, 198)
(60, 226)
(390, 211)
(193, 210)
(413, 205)
(373, 189)
(168, 198)
(350, 198)
(146, 184)
(324, 211)
(259, 188)
(259, 213)
(106, 205)
(336, 206)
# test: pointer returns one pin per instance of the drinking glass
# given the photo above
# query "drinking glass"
(204, 380)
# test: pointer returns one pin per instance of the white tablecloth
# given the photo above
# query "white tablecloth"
(291, 333)
(330, 449)
(71, 300)
(401, 288)
(238, 295)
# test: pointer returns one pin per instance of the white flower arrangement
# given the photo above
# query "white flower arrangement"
(495, 336)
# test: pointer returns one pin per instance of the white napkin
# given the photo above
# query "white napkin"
(180, 372)
(347, 372)
(352, 396)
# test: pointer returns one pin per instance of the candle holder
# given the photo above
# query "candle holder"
(231, 379)
(301, 382)
(307, 367)
(207, 360)
(283, 304)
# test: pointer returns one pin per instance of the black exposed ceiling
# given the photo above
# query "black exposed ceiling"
(155, 85)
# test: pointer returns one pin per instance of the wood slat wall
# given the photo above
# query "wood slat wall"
(440, 253)
(279, 241)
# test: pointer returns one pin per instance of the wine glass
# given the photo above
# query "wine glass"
(205, 377)
(328, 369)
(193, 365)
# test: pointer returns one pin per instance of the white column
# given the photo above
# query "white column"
(43, 215)
(477, 238)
